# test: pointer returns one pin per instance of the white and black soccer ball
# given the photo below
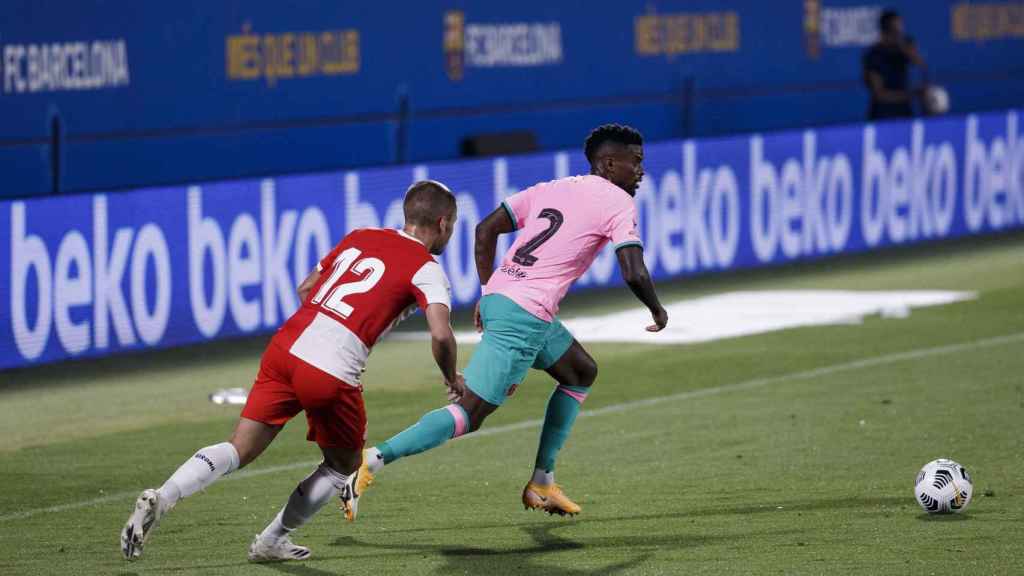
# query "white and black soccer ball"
(943, 487)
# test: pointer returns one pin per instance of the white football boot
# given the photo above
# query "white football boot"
(276, 550)
(141, 523)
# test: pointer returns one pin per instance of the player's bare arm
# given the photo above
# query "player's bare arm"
(497, 222)
(442, 344)
(635, 274)
(307, 284)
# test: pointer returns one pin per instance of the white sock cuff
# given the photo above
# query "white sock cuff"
(543, 477)
(374, 460)
(337, 478)
(227, 449)
(276, 528)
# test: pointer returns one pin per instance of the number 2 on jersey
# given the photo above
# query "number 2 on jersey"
(331, 295)
(524, 255)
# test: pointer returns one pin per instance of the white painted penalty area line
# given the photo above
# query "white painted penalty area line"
(840, 368)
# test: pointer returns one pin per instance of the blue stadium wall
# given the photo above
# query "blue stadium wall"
(121, 94)
(95, 274)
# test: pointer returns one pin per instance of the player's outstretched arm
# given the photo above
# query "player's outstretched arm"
(442, 343)
(634, 272)
(487, 232)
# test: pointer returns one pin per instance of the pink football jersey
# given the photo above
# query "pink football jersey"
(562, 224)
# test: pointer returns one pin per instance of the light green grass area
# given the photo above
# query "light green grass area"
(785, 453)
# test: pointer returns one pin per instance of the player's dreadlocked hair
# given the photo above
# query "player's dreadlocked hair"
(616, 133)
(426, 202)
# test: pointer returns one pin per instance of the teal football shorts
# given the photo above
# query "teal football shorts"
(513, 341)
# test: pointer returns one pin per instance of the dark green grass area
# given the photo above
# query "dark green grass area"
(792, 452)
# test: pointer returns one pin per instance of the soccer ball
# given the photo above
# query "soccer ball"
(942, 487)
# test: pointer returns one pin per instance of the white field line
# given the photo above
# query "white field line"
(851, 366)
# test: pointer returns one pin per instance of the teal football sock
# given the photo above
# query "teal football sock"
(433, 429)
(563, 406)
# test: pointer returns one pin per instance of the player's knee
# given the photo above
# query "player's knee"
(246, 453)
(476, 409)
(251, 438)
(475, 422)
(587, 373)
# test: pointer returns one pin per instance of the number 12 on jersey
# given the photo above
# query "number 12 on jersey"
(331, 293)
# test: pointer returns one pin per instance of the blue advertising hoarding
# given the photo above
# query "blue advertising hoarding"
(97, 274)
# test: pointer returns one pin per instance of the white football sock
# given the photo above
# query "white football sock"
(375, 461)
(275, 529)
(543, 477)
(306, 500)
(198, 472)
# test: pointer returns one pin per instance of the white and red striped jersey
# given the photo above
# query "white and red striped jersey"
(372, 280)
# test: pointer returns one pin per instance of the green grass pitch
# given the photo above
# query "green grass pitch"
(786, 453)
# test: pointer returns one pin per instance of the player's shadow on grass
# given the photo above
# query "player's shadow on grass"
(298, 569)
(787, 506)
(474, 560)
(526, 559)
(809, 505)
(478, 560)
